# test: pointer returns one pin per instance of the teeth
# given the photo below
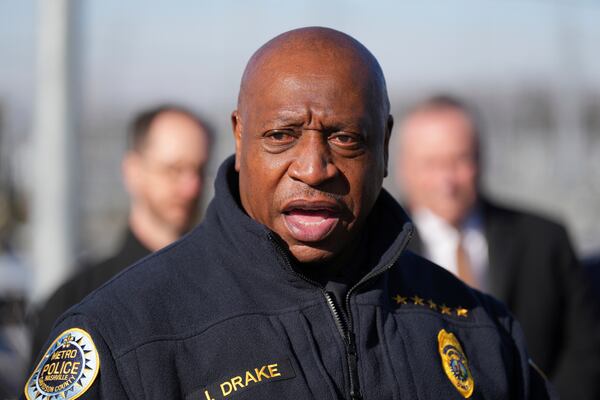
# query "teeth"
(315, 223)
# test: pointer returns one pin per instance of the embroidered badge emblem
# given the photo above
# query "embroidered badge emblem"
(67, 370)
(455, 363)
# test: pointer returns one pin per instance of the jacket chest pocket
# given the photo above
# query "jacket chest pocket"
(248, 357)
(455, 361)
(263, 379)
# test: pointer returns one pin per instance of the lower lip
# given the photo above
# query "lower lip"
(310, 226)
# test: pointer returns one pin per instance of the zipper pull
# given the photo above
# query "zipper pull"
(351, 343)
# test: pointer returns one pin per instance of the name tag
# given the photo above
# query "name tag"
(259, 375)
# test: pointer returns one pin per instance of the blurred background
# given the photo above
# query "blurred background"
(531, 66)
(72, 73)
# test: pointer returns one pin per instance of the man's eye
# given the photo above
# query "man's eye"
(280, 136)
(345, 140)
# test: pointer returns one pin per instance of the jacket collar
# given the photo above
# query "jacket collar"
(388, 226)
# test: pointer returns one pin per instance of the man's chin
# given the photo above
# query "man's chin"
(310, 254)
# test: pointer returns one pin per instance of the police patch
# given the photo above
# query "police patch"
(67, 370)
(455, 363)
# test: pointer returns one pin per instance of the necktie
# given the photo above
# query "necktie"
(464, 267)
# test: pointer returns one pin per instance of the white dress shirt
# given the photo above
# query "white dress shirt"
(440, 241)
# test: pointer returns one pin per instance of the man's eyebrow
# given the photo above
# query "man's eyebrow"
(295, 118)
(292, 118)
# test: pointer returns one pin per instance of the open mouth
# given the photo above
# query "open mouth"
(311, 221)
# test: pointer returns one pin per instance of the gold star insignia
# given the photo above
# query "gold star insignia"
(462, 312)
(445, 309)
(399, 299)
(417, 300)
(432, 305)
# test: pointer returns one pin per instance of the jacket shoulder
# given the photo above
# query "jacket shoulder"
(417, 276)
(125, 306)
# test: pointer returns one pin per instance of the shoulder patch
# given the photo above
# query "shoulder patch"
(67, 369)
(455, 363)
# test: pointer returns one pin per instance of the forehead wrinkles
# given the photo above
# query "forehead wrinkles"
(329, 106)
(304, 91)
(290, 88)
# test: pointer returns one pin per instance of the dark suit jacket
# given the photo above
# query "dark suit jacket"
(533, 269)
(592, 269)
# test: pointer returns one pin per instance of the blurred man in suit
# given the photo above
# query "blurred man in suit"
(163, 171)
(523, 259)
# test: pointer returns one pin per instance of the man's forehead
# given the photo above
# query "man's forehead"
(323, 84)
(295, 102)
(430, 131)
(435, 120)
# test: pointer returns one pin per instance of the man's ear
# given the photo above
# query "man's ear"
(236, 125)
(386, 144)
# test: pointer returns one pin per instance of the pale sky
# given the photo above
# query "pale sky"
(135, 51)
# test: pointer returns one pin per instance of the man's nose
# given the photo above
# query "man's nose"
(312, 164)
(447, 178)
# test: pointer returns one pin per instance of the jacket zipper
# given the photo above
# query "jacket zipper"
(349, 342)
(344, 323)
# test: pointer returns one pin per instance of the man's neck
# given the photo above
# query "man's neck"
(346, 267)
(150, 233)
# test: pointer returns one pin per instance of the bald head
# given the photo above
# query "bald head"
(312, 130)
(317, 51)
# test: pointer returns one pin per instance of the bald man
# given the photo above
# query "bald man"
(297, 284)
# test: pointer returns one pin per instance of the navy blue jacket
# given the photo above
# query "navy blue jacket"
(222, 313)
